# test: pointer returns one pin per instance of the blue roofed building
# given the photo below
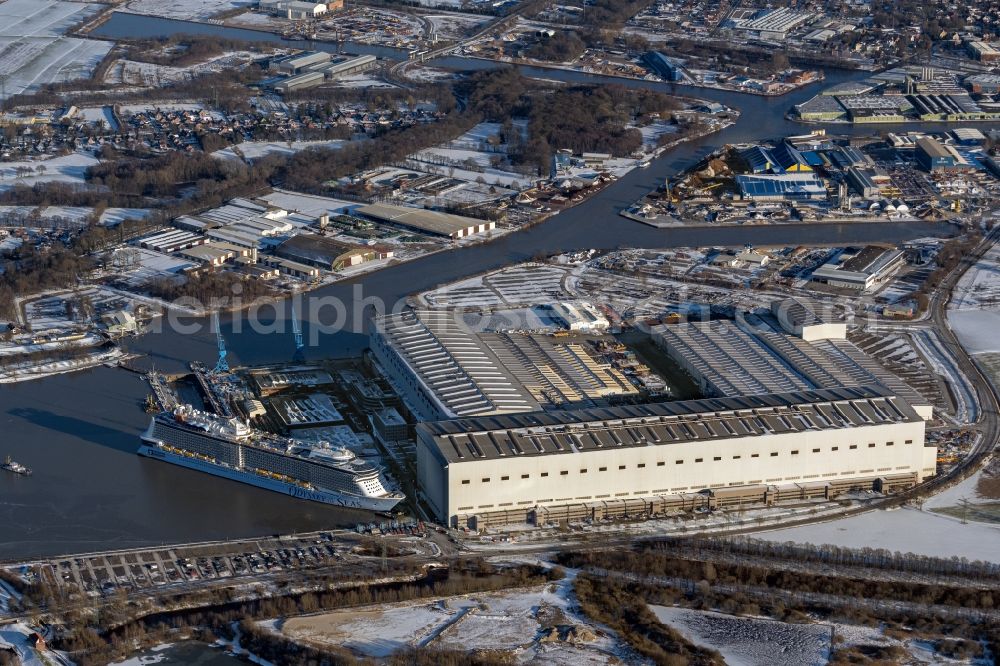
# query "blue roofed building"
(760, 160)
(790, 158)
(662, 66)
(781, 187)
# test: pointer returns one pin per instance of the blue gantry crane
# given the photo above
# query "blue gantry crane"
(222, 365)
(299, 355)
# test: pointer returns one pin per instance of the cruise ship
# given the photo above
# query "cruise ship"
(229, 448)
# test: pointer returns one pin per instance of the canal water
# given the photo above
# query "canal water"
(79, 432)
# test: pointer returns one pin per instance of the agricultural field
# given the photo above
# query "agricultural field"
(65, 169)
(34, 49)
(185, 9)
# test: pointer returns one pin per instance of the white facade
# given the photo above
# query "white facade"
(584, 471)
(808, 320)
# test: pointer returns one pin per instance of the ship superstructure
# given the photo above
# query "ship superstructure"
(228, 447)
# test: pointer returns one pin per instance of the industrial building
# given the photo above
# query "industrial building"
(790, 158)
(759, 159)
(292, 268)
(758, 356)
(174, 240)
(769, 23)
(208, 254)
(298, 62)
(296, 10)
(443, 369)
(389, 425)
(808, 320)
(347, 66)
(662, 66)
(653, 458)
(313, 68)
(300, 82)
(426, 221)
(862, 182)
(821, 107)
(326, 253)
(983, 51)
(272, 380)
(781, 187)
(861, 269)
(582, 317)
(931, 155)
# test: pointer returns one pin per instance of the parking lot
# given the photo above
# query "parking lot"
(104, 573)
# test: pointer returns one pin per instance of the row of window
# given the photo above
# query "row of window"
(774, 454)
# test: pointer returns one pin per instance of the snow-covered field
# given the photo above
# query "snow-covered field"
(980, 286)
(511, 621)
(469, 158)
(131, 72)
(455, 26)
(974, 310)
(904, 530)
(746, 641)
(651, 134)
(33, 49)
(185, 9)
(72, 214)
(50, 312)
(66, 169)
(362, 81)
(252, 150)
(977, 329)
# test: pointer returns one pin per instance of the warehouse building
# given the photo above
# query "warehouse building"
(821, 107)
(983, 51)
(931, 155)
(861, 269)
(582, 317)
(298, 62)
(443, 369)
(759, 159)
(300, 82)
(345, 67)
(781, 187)
(582, 463)
(296, 10)
(326, 253)
(862, 182)
(292, 268)
(174, 240)
(808, 319)
(426, 221)
(790, 158)
(770, 23)
(758, 357)
(208, 255)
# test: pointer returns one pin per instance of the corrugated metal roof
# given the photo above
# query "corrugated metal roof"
(550, 433)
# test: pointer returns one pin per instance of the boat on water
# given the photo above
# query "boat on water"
(15, 467)
(230, 448)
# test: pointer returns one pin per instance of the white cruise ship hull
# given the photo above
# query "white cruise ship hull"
(323, 496)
